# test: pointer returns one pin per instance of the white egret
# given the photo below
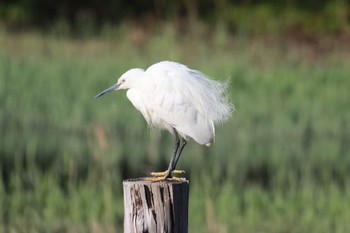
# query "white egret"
(174, 97)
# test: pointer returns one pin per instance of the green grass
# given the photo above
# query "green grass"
(281, 164)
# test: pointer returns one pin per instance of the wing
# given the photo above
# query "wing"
(204, 94)
(170, 109)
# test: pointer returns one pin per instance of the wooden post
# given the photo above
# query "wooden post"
(155, 207)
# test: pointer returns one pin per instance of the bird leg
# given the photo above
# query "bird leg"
(183, 143)
(180, 143)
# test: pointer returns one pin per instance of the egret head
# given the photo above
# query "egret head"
(128, 80)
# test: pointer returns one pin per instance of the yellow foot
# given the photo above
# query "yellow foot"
(162, 178)
(163, 174)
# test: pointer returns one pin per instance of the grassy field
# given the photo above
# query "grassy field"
(280, 164)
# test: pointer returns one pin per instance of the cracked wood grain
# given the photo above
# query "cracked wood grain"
(155, 207)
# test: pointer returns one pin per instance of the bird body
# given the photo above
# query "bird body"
(174, 97)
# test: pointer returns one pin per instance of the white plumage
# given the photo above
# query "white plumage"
(174, 97)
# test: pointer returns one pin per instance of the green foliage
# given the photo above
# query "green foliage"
(279, 165)
(242, 17)
(273, 19)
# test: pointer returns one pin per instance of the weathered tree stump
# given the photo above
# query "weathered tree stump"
(155, 207)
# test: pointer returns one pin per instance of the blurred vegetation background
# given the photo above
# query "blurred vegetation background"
(238, 16)
(280, 164)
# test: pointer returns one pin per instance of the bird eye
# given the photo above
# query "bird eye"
(123, 80)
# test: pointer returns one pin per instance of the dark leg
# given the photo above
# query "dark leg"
(174, 157)
(183, 143)
(179, 145)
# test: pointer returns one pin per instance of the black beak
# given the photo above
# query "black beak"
(112, 88)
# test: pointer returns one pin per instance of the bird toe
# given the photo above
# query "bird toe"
(159, 174)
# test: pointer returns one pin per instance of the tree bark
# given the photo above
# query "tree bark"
(155, 207)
